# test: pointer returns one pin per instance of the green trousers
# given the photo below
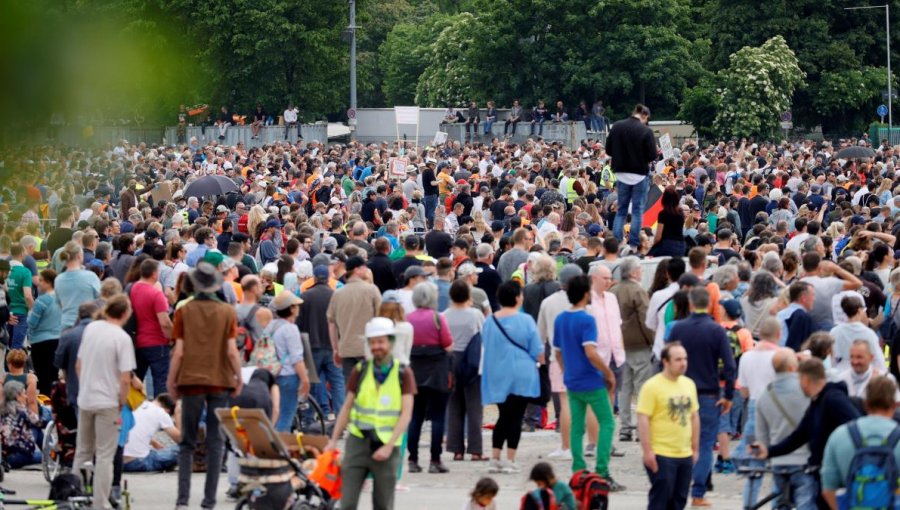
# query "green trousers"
(357, 465)
(599, 402)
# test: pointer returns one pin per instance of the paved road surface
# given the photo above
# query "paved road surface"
(424, 491)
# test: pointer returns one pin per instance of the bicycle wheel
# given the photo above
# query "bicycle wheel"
(51, 461)
(309, 418)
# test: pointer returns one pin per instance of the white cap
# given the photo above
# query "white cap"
(379, 326)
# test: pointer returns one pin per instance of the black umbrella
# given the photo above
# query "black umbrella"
(210, 185)
(855, 152)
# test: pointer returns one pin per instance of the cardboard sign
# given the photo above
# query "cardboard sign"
(398, 166)
(407, 114)
(665, 143)
(440, 138)
(161, 191)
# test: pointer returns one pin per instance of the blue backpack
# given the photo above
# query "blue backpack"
(872, 478)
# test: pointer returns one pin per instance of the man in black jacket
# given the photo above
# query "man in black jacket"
(632, 146)
(382, 266)
(829, 408)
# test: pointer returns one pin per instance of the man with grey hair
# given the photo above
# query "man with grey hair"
(359, 234)
(813, 244)
(778, 412)
(726, 277)
(29, 244)
(772, 263)
(488, 279)
(551, 307)
(637, 338)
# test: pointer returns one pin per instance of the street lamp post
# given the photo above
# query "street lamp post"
(887, 37)
(352, 29)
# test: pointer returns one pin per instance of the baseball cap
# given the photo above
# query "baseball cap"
(390, 296)
(323, 259)
(466, 269)
(569, 271)
(273, 223)
(594, 229)
(857, 220)
(227, 264)
(221, 208)
(214, 257)
(688, 280)
(285, 299)
(412, 272)
(732, 308)
(320, 272)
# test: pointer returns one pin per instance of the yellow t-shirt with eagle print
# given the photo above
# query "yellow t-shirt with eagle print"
(669, 404)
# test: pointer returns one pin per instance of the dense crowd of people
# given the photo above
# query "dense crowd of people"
(484, 274)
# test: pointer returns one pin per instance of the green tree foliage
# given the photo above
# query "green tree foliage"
(834, 47)
(535, 49)
(405, 54)
(758, 85)
(271, 51)
(450, 77)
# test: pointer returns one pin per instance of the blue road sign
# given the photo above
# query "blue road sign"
(882, 110)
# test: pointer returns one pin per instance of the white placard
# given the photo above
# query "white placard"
(398, 166)
(665, 143)
(407, 114)
(440, 137)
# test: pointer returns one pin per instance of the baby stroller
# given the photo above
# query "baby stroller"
(58, 447)
(271, 476)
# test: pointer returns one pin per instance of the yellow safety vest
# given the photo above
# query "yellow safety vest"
(45, 263)
(377, 408)
(571, 195)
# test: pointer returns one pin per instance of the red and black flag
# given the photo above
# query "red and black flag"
(652, 206)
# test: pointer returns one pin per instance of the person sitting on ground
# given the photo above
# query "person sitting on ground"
(18, 417)
(482, 496)
(142, 452)
(542, 475)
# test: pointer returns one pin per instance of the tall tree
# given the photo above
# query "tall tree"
(758, 85)
(833, 46)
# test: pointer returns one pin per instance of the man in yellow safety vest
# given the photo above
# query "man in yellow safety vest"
(376, 412)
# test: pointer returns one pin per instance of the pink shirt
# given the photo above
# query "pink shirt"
(147, 301)
(425, 331)
(605, 310)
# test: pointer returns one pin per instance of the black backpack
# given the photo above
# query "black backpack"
(65, 486)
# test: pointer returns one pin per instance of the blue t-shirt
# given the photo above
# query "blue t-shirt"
(572, 330)
(72, 289)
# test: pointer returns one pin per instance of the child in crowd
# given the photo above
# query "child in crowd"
(482, 497)
(542, 475)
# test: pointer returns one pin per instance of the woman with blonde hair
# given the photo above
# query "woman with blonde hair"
(885, 192)
(480, 225)
(541, 282)
(255, 218)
